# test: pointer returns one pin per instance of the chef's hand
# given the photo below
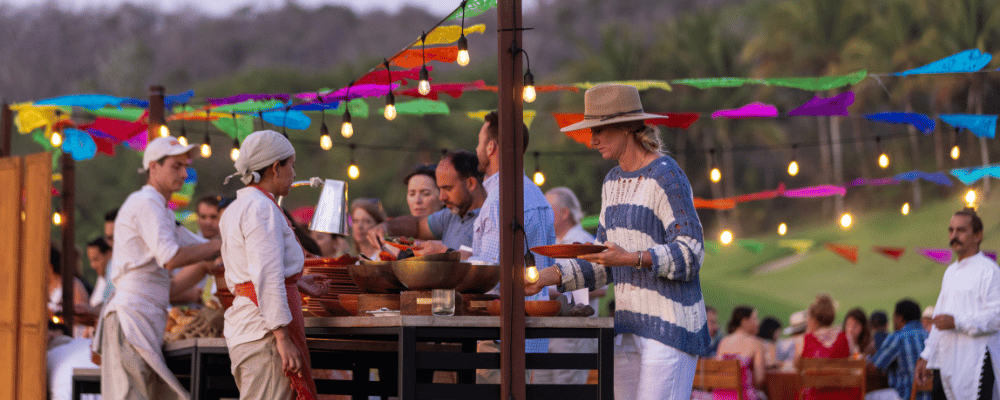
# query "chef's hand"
(921, 373)
(429, 247)
(944, 322)
(291, 359)
(313, 285)
(613, 256)
(546, 277)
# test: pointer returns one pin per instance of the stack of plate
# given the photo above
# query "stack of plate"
(334, 270)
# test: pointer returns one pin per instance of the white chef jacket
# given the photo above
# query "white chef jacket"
(258, 246)
(147, 236)
(970, 292)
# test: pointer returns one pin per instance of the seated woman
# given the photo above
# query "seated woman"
(823, 340)
(366, 213)
(769, 332)
(422, 193)
(858, 333)
(742, 344)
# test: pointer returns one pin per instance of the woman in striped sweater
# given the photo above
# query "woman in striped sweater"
(655, 251)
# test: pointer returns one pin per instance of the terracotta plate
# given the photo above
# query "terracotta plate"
(568, 250)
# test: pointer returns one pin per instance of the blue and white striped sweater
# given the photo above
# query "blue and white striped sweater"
(651, 209)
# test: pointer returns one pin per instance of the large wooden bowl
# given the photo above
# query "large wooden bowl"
(480, 279)
(375, 277)
(427, 275)
(350, 303)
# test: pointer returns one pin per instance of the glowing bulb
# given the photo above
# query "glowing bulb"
(325, 142)
(529, 94)
(531, 274)
(234, 153)
(906, 209)
(346, 129)
(183, 140)
(539, 178)
(164, 132)
(793, 168)
(390, 112)
(463, 51)
(726, 237)
(955, 152)
(56, 139)
(353, 172)
(883, 161)
(424, 87)
(715, 175)
(782, 229)
(206, 150)
(970, 197)
(56, 218)
(846, 220)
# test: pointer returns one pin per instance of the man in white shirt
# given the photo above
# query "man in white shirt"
(148, 243)
(966, 320)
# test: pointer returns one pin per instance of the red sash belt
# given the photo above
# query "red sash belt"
(303, 384)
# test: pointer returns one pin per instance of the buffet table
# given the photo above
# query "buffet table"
(405, 373)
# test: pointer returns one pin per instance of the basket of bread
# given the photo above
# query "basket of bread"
(205, 322)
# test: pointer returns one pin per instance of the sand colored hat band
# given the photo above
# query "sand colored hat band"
(611, 103)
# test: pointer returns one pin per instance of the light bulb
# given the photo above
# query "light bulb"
(325, 142)
(955, 152)
(424, 87)
(726, 237)
(353, 172)
(346, 129)
(529, 94)
(970, 197)
(390, 112)
(463, 51)
(56, 218)
(793, 168)
(56, 139)
(206, 150)
(164, 132)
(782, 229)
(183, 140)
(883, 160)
(539, 178)
(846, 220)
(715, 175)
(906, 209)
(531, 274)
(234, 153)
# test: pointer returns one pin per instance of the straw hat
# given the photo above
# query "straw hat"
(796, 323)
(608, 104)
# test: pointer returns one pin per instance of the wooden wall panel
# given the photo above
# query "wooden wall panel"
(10, 230)
(35, 274)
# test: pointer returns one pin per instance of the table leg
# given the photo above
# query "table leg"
(196, 381)
(407, 363)
(606, 360)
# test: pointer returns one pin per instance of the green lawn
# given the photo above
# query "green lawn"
(875, 282)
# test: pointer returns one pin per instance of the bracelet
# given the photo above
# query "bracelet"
(638, 265)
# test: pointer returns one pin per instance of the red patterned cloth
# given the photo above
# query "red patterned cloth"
(813, 348)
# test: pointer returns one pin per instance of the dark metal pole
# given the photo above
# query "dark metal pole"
(156, 114)
(512, 366)
(68, 237)
(7, 130)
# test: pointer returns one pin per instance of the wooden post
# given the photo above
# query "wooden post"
(512, 364)
(6, 130)
(68, 237)
(156, 112)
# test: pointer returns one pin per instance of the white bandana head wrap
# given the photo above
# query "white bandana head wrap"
(260, 150)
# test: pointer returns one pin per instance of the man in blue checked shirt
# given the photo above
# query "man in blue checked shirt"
(539, 226)
(899, 352)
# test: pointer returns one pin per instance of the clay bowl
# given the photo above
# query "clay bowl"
(427, 275)
(480, 279)
(334, 307)
(375, 277)
(533, 308)
(349, 302)
(453, 256)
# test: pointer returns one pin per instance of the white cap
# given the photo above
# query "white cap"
(928, 312)
(163, 147)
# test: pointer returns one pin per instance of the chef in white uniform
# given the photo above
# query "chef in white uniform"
(964, 344)
(148, 243)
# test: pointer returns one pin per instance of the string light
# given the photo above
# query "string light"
(424, 87)
(883, 159)
(390, 99)
(970, 198)
(906, 209)
(793, 167)
(183, 139)
(955, 151)
(235, 152)
(353, 171)
(206, 146)
(531, 274)
(529, 87)
(56, 218)
(56, 138)
(846, 220)
(346, 128)
(325, 141)
(164, 131)
(782, 229)
(539, 177)
(715, 175)
(726, 237)
(463, 43)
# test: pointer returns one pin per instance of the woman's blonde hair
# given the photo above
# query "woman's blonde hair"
(647, 136)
